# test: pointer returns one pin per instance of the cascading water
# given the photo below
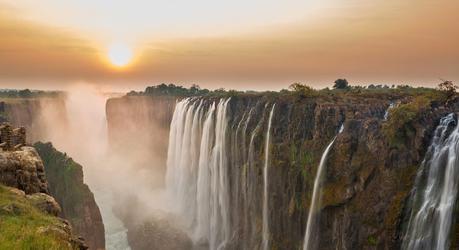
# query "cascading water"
(265, 226)
(313, 215)
(435, 193)
(198, 180)
(386, 114)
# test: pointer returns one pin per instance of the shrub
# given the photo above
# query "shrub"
(448, 88)
(303, 90)
(341, 84)
(399, 127)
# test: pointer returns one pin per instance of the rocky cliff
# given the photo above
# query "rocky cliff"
(65, 178)
(45, 119)
(35, 114)
(28, 214)
(369, 173)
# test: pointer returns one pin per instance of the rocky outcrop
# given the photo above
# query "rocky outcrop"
(45, 118)
(24, 170)
(65, 179)
(28, 214)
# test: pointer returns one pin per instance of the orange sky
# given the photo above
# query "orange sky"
(411, 41)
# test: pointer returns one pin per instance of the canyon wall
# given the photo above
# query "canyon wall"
(46, 119)
(368, 177)
(65, 178)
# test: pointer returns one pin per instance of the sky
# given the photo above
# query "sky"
(239, 44)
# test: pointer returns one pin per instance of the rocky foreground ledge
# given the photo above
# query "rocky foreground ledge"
(28, 214)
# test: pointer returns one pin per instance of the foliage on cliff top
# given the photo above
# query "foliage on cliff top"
(342, 89)
(27, 93)
(23, 226)
(170, 90)
(400, 124)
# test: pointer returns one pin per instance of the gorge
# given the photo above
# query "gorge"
(266, 170)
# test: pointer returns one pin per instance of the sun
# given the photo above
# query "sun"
(119, 54)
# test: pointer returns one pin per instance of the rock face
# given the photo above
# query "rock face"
(24, 170)
(78, 204)
(368, 178)
(32, 114)
(65, 178)
(28, 214)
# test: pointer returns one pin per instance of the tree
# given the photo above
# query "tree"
(341, 84)
(25, 93)
(302, 89)
(194, 89)
(448, 88)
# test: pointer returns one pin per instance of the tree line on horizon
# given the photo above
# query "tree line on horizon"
(27, 93)
(340, 85)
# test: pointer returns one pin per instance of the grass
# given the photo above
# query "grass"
(22, 225)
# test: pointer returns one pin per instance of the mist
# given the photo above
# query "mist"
(125, 172)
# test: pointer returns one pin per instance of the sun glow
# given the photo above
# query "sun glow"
(119, 54)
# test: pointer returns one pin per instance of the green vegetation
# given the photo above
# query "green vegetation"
(341, 84)
(303, 90)
(341, 88)
(400, 125)
(23, 226)
(372, 241)
(65, 178)
(172, 90)
(27, 93)
(448, 89)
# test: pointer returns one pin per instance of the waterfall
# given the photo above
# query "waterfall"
(386, 114)
(316, 195)
(265, 227)
(197, 180)
(434, 196)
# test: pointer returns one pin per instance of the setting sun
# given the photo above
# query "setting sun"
(119, 54)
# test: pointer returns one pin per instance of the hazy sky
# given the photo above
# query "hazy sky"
(251, 44)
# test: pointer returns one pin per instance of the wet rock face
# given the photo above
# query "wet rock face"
(367, 180)
(24, 170)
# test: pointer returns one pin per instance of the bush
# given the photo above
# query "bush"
(448, 88)
(399, 126)
(303, 90)
(341, 84)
